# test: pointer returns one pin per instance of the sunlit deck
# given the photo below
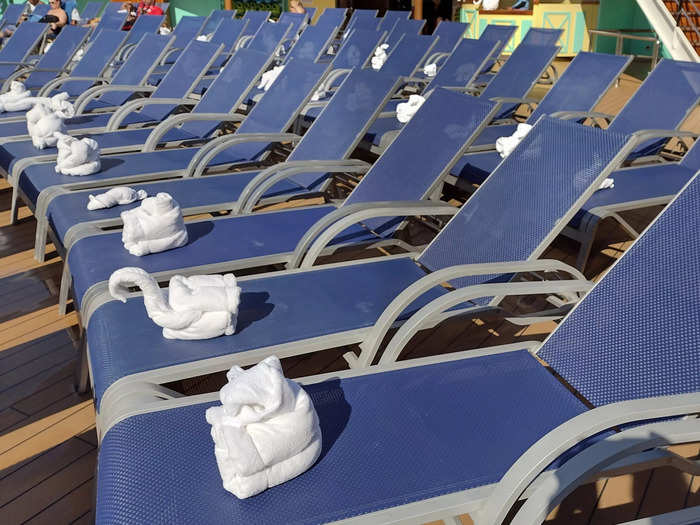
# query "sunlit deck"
(48, 446)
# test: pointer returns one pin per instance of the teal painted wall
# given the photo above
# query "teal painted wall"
(180, 8)
(622, 14)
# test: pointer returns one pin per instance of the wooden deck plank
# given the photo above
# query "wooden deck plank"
(69, 508)
(621, 499)
(667, 491)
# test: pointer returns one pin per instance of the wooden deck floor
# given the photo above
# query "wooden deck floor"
(47, 440)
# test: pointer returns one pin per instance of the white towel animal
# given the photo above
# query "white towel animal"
(406, 110)
(608, 183)
(430, 70)
(58, 103)
(265, 432)
(77, 157)
(164, 30)
(115, 197)
(155, 226)
(197, 307)
(269, 77)
(379, 57)
(16, 93)
(506, 145)
(489, 5)
(42, 124)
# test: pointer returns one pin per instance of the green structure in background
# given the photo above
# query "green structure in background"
(626, 16)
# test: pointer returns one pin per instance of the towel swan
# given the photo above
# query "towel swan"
(197, 307)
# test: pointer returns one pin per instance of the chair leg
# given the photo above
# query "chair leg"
(13, 209)
(66, 282)
(588, 230)
(81, 377)
(40, 240)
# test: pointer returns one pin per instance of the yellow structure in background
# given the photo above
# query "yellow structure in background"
(320, 5)
(575, 18)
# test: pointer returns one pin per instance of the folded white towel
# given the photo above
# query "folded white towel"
(78, 55)
(16, 93)
(266, 432)
(115, 197)
(318, 95)
(77, 157)
(164, 30)
(155, 226)
(607, 184)
(430, 70)
(406, 110)
(489, 5)
(205, 38)
(197, 307)
(379, 57)
(269, 77)
(58, 104)
(42, 125)
(506, 145)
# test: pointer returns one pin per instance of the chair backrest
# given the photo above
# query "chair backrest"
(187, 28)
(58, 55)
(138, 67)
(20, 45)
(255, 20)
(313, 42)
(692, 157)
(216, 16)
(344, 121)
(111, 18)
(664, 99)
(582, 85)
(182, 77)
(497, 33)
(332, 17)
(450, 33)
(39, 11)
(295, 20)
(528, 199)
(269, 37)
(357, 48)
(279, 107)
(310, 12)
(91, 10)
(96, 59)
(363, 19)
(228, 32)
(408, 52)
(540, 36)
(229, 88)
(520, 73)
(144, 25)
(425, 150)
(12, 14)
(464, 64)
(405, 27)
(635, 335)
(386, 23)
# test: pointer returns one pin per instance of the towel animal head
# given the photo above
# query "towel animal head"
(77, 156)
(42, 123)
(198, 307)
(155, 226)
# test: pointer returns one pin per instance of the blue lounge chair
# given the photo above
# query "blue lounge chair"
(514, 80)
(12, 15)
(635, 187)
(363, 19)
(449, 34)
(434, 128)
(313, 43)
(215, 17)
(267, 121)
(186, 30)
(40, 10)
(616, 368)
(91, 10)
(663, 101)
(255, 20)
(144, 25)
(386, 22)
(111, 18)
(352, 302)
(177, 84)
(332, 17)
(19, 46)
(298, 21)
(52, 63)
(404, 27)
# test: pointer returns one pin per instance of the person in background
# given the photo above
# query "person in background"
(295, 6)
(148, 7)
(434, 12)
(31, 5)
(56, 17)
(129, 8)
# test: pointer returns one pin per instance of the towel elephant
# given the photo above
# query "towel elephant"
(77, 156)
(155, 226)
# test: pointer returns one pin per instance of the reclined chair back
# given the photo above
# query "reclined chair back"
(185, 32)
(464, 64)
(386, 23)
(496, 33)
(357, 49)
(531, 196)
(450, 35)
(540, 36)
(91, 10)
(269, 37)
(228, 32)
(331, 17)
(58, 56)
(144, 25)
(313, 43)
(255, 21)
(297, 21)
(405, 27)
(111, 18)
(215, 17)
(20, 45)
(39, 11)
(12, 14)
(363, 19)
(406, 54)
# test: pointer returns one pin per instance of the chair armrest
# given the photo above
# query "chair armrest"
(327, 228)
(175, 120)
(267, 178)
(129, 107)
(125, 51)
(169, 52)
(56, 82)
(649, 134)
(512, 100)
(597, 457)
(569, 115)
(211, 149)
(435, 57)
(371, 343)
(535, 459)
(243, 41)
(92, 93)
(332, 77)
(417, 80)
